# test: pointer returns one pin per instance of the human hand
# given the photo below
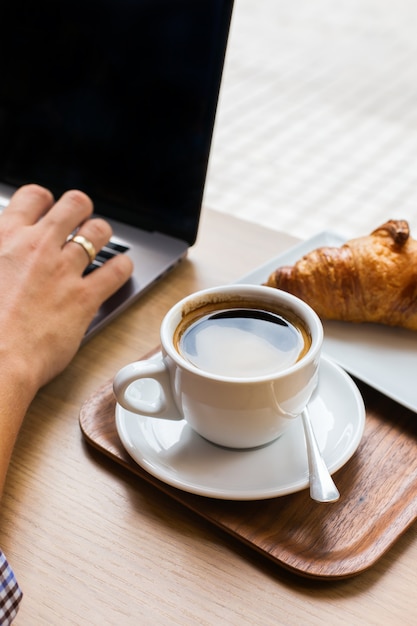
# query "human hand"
(47, 305)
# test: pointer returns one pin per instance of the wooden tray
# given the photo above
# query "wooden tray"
(378, 502)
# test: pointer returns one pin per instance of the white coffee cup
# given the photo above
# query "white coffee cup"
(229, 399)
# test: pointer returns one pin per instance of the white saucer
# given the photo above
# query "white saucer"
(172, 452)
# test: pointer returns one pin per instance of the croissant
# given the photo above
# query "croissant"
(368, 279)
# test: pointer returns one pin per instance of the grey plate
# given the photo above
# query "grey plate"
(383, 357)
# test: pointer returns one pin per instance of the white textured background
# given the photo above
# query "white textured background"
(317, 119)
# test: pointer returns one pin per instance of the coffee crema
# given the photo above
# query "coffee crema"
(241, 339)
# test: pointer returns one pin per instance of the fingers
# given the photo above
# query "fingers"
(106, 280)
(68, 213)
(28, 204)
(97, 232)
(72, 212)
(115, 272)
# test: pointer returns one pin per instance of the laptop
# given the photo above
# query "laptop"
(116, 98)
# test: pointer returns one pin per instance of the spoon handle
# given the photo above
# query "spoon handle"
(322, 487)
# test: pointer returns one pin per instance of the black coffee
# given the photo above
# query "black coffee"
(242, 342)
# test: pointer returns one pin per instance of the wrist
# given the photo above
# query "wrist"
(18, 384)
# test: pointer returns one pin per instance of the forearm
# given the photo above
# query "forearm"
(15, 397)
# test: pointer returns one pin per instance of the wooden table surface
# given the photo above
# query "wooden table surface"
(91, 544)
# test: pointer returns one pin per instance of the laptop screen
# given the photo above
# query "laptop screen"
(114, 97)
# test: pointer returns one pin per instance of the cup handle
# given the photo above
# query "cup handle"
(160, 403)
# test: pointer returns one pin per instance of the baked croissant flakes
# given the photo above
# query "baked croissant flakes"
(368, 279)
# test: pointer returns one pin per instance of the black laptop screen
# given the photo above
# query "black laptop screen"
(114, 97)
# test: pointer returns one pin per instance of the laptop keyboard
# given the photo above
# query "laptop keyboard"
(111, 249)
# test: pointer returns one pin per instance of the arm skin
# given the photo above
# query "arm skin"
(46, 303)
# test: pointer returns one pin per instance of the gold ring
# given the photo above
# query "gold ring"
(86, 244)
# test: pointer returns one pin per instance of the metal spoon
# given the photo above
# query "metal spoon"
(322, 487)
